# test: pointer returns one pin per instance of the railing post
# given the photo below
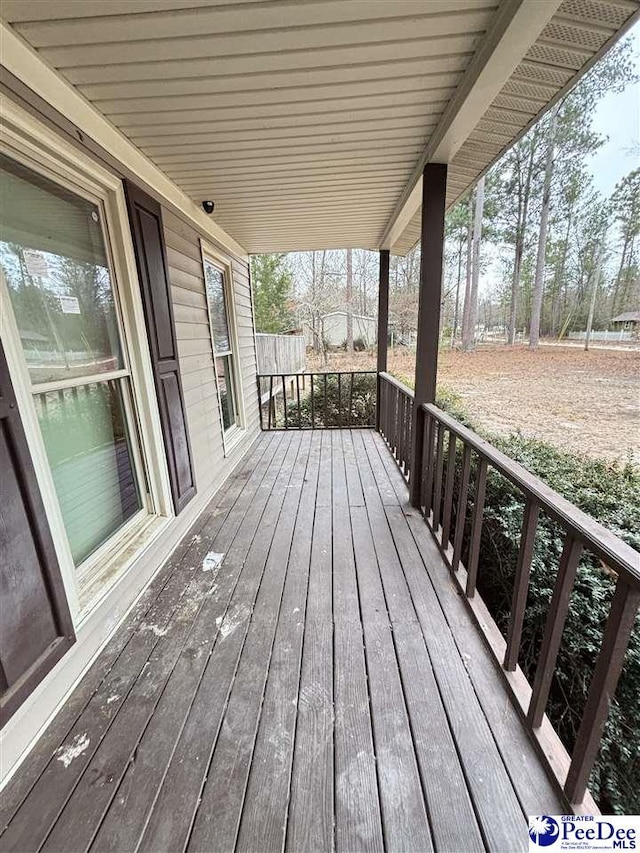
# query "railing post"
(383, 324)
(434, 190)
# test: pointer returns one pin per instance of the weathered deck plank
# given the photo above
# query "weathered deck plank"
(325, 690)
(264, 817)
(130, 810)
(35, 763)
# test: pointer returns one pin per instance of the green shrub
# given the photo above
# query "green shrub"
(334, 403)
(610, 493)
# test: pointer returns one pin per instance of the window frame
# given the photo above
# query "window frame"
(24, 139)
(210, 255)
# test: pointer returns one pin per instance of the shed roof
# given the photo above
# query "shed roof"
(309, 122)
(628, 317)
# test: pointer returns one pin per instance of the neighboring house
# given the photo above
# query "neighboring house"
(334, 329)
(629, 321)
(128, 398)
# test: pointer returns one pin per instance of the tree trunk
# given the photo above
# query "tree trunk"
(596, 281)
(616, 286)
(466, 329)
(538, 284)
(523, 209)
(559, 277)
(349, 300)
(475, 274)
(456, 308)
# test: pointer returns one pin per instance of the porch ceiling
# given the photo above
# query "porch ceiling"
(308, 123)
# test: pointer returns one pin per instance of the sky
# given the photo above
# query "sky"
(618, 117)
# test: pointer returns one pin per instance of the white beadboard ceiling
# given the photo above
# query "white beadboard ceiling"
(308, 122)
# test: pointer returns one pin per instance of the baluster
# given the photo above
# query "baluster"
(313, 405)
(476, 527)
(339, 400)
(409, 428)
(556, 616)
(602, 688)
(427, 428)
(461, 513)
(428, 462)
(325, 401)
(351, 401)
(284, 401)
(259, 383)
(396, 425)
(298, 396)
(437, 492)
(448, 490)
(270, 400)
(521, 583)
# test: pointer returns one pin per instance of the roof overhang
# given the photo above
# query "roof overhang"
(307, 123)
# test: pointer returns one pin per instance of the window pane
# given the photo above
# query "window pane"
(53, 256)
(215, 294)
(89, 451)
(226, 390)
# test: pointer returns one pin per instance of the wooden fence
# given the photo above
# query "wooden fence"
(278, 354)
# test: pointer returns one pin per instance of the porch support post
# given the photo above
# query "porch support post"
(383, 323)
(434, 188)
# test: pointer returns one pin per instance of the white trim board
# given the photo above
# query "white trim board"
(22, 61)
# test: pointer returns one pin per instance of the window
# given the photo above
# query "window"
(55, 263)
(223, 339)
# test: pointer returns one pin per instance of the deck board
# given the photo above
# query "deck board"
(323, 689)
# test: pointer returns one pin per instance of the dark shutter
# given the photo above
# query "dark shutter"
(145, 217)
(35, 623)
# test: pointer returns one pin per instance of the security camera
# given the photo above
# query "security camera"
(208, 206)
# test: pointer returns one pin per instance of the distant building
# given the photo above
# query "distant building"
(334, 329)
(630, 321)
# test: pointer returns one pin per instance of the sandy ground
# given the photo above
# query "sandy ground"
(577, 400)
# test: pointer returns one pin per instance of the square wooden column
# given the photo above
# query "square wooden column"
(434, 190)
(383, 323)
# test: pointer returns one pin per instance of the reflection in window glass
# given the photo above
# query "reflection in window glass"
(217, 309)
(222, 345)
(88, 447)
(226, 390)
(53, 257)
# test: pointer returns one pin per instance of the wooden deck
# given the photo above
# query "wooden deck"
(322, 688)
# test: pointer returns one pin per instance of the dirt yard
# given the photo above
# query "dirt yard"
(584, 401)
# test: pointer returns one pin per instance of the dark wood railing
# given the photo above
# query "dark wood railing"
(394, 420)
(451, 452)
(336, 400)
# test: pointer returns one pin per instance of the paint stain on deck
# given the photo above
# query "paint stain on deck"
(67, 753)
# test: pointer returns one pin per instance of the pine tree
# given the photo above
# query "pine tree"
(271, 282)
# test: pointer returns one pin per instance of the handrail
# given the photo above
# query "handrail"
(612, 550)
(397, 384)
(444, 479)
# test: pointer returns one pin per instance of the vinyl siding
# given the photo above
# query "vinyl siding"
(196, 353)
